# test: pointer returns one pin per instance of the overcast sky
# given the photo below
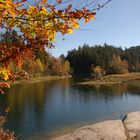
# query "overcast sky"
(118, 24)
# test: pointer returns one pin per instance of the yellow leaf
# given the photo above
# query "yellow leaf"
(76, 25)
(4, 75)
(53, 40)
(69, 31)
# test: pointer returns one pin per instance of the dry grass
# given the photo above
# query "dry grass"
(39, 79)
(128, 79)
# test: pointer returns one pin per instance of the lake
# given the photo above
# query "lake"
(41, 109)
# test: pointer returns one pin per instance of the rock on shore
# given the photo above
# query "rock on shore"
(132, 125)
(129, 128)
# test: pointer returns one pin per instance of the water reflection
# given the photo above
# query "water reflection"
(43, 107)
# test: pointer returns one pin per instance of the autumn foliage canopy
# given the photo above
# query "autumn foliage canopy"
(38, 23)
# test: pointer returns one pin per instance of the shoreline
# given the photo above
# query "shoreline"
(69, 129)
(130, 79)
(39, 79)
(126, 129)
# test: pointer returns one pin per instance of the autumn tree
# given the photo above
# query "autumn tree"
(97, 71)
(39, 22)
(55, 67)
(118, 66)
(33, 67)
(66, 68)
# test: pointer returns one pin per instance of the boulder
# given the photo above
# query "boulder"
(107, 130)
(132, 125)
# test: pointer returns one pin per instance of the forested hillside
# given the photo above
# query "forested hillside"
(86, 60)
(106, 59)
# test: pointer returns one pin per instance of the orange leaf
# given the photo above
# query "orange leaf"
(7, 110)
(43, 1)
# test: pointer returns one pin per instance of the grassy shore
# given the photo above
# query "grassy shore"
(132, 79)
(39, 79)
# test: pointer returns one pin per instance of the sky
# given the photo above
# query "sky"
(118, 24)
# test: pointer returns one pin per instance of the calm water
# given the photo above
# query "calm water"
(42, 108)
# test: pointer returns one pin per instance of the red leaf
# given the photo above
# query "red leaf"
(69, 7)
